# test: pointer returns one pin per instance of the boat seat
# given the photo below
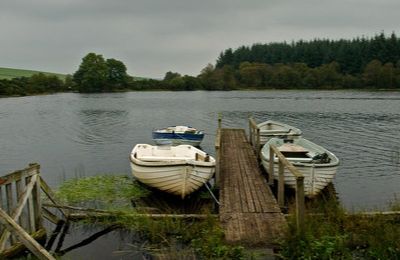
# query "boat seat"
(163, 158)
(296, 159)
(274, 131)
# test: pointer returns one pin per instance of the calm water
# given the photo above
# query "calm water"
(74, 135)
(87, 134)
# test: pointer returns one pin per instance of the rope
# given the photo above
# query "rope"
(212, 194)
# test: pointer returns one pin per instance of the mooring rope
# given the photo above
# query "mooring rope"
(212, 194)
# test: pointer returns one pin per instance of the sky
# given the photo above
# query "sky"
(152, 37)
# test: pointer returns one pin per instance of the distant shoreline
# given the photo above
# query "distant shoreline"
(242, 89)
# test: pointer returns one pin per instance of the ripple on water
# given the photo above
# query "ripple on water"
(66, 132)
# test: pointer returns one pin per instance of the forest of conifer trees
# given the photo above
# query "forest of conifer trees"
(351, 55)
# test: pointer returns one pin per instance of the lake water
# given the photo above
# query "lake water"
(72, 135)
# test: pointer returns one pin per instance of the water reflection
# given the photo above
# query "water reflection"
(82, 134)
(74, 135)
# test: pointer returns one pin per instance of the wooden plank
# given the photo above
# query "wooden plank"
(249, 213)
(246, 185)
(271, 166)
(51, 195)
(90, 212)
(300, 208)
(281, 185)
(10, 203)
(245, 196)
(18, 210)
(18, 175)
(9, 198)
(1, 205)
(50, 216)
(37, 204)
(23, 219)
(24, 237)
(1, 197)
(31, 215)
(255, 180)
(18, 247)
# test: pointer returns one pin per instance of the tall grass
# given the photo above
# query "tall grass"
(333, 234)
(178, 238)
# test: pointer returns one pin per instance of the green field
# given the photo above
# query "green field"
(8, 73)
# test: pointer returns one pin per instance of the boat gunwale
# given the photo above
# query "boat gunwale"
(189, 162)
(178, 162)
(296, 131)
(335, 161)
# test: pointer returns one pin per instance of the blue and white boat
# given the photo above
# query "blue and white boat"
(177, 135)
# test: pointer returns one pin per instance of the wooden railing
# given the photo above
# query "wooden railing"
(20, 199)
(283, 162)
(21, 212)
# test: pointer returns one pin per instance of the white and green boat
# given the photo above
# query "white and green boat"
(270, 129)
(317, 164)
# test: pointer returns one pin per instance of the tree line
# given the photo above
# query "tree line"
(372, 63)
(36, 84)
(352, 55)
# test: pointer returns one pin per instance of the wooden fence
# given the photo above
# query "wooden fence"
(21, 214)
(284, 163)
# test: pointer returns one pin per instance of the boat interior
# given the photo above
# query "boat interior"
(166, 152)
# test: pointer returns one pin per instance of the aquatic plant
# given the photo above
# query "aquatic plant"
(172, 236)
(331, 233)
(109, 191)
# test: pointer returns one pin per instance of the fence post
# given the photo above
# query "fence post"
(300, 203)
(218, 150)
(217, 158)
(258, 143)
(271, 166)
(251, 133)
(37, 202)
(281, 185)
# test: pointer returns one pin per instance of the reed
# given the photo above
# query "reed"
(103, 192)
(334, 234)
(173, 238)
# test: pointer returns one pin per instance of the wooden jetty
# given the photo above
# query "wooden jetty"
(249, 212)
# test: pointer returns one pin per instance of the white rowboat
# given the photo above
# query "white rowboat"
(317, 164)
(178, 170)
(270, 129)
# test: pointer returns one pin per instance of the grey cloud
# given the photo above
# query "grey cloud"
(152, 37)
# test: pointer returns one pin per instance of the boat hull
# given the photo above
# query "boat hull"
(181, 179)
(317, 174)
(315, 178)
(178, 170)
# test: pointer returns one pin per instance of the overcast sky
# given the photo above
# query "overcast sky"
(155, 36)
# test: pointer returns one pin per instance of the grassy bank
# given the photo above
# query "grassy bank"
(330, 233)
(177, 238)
(10, 73)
